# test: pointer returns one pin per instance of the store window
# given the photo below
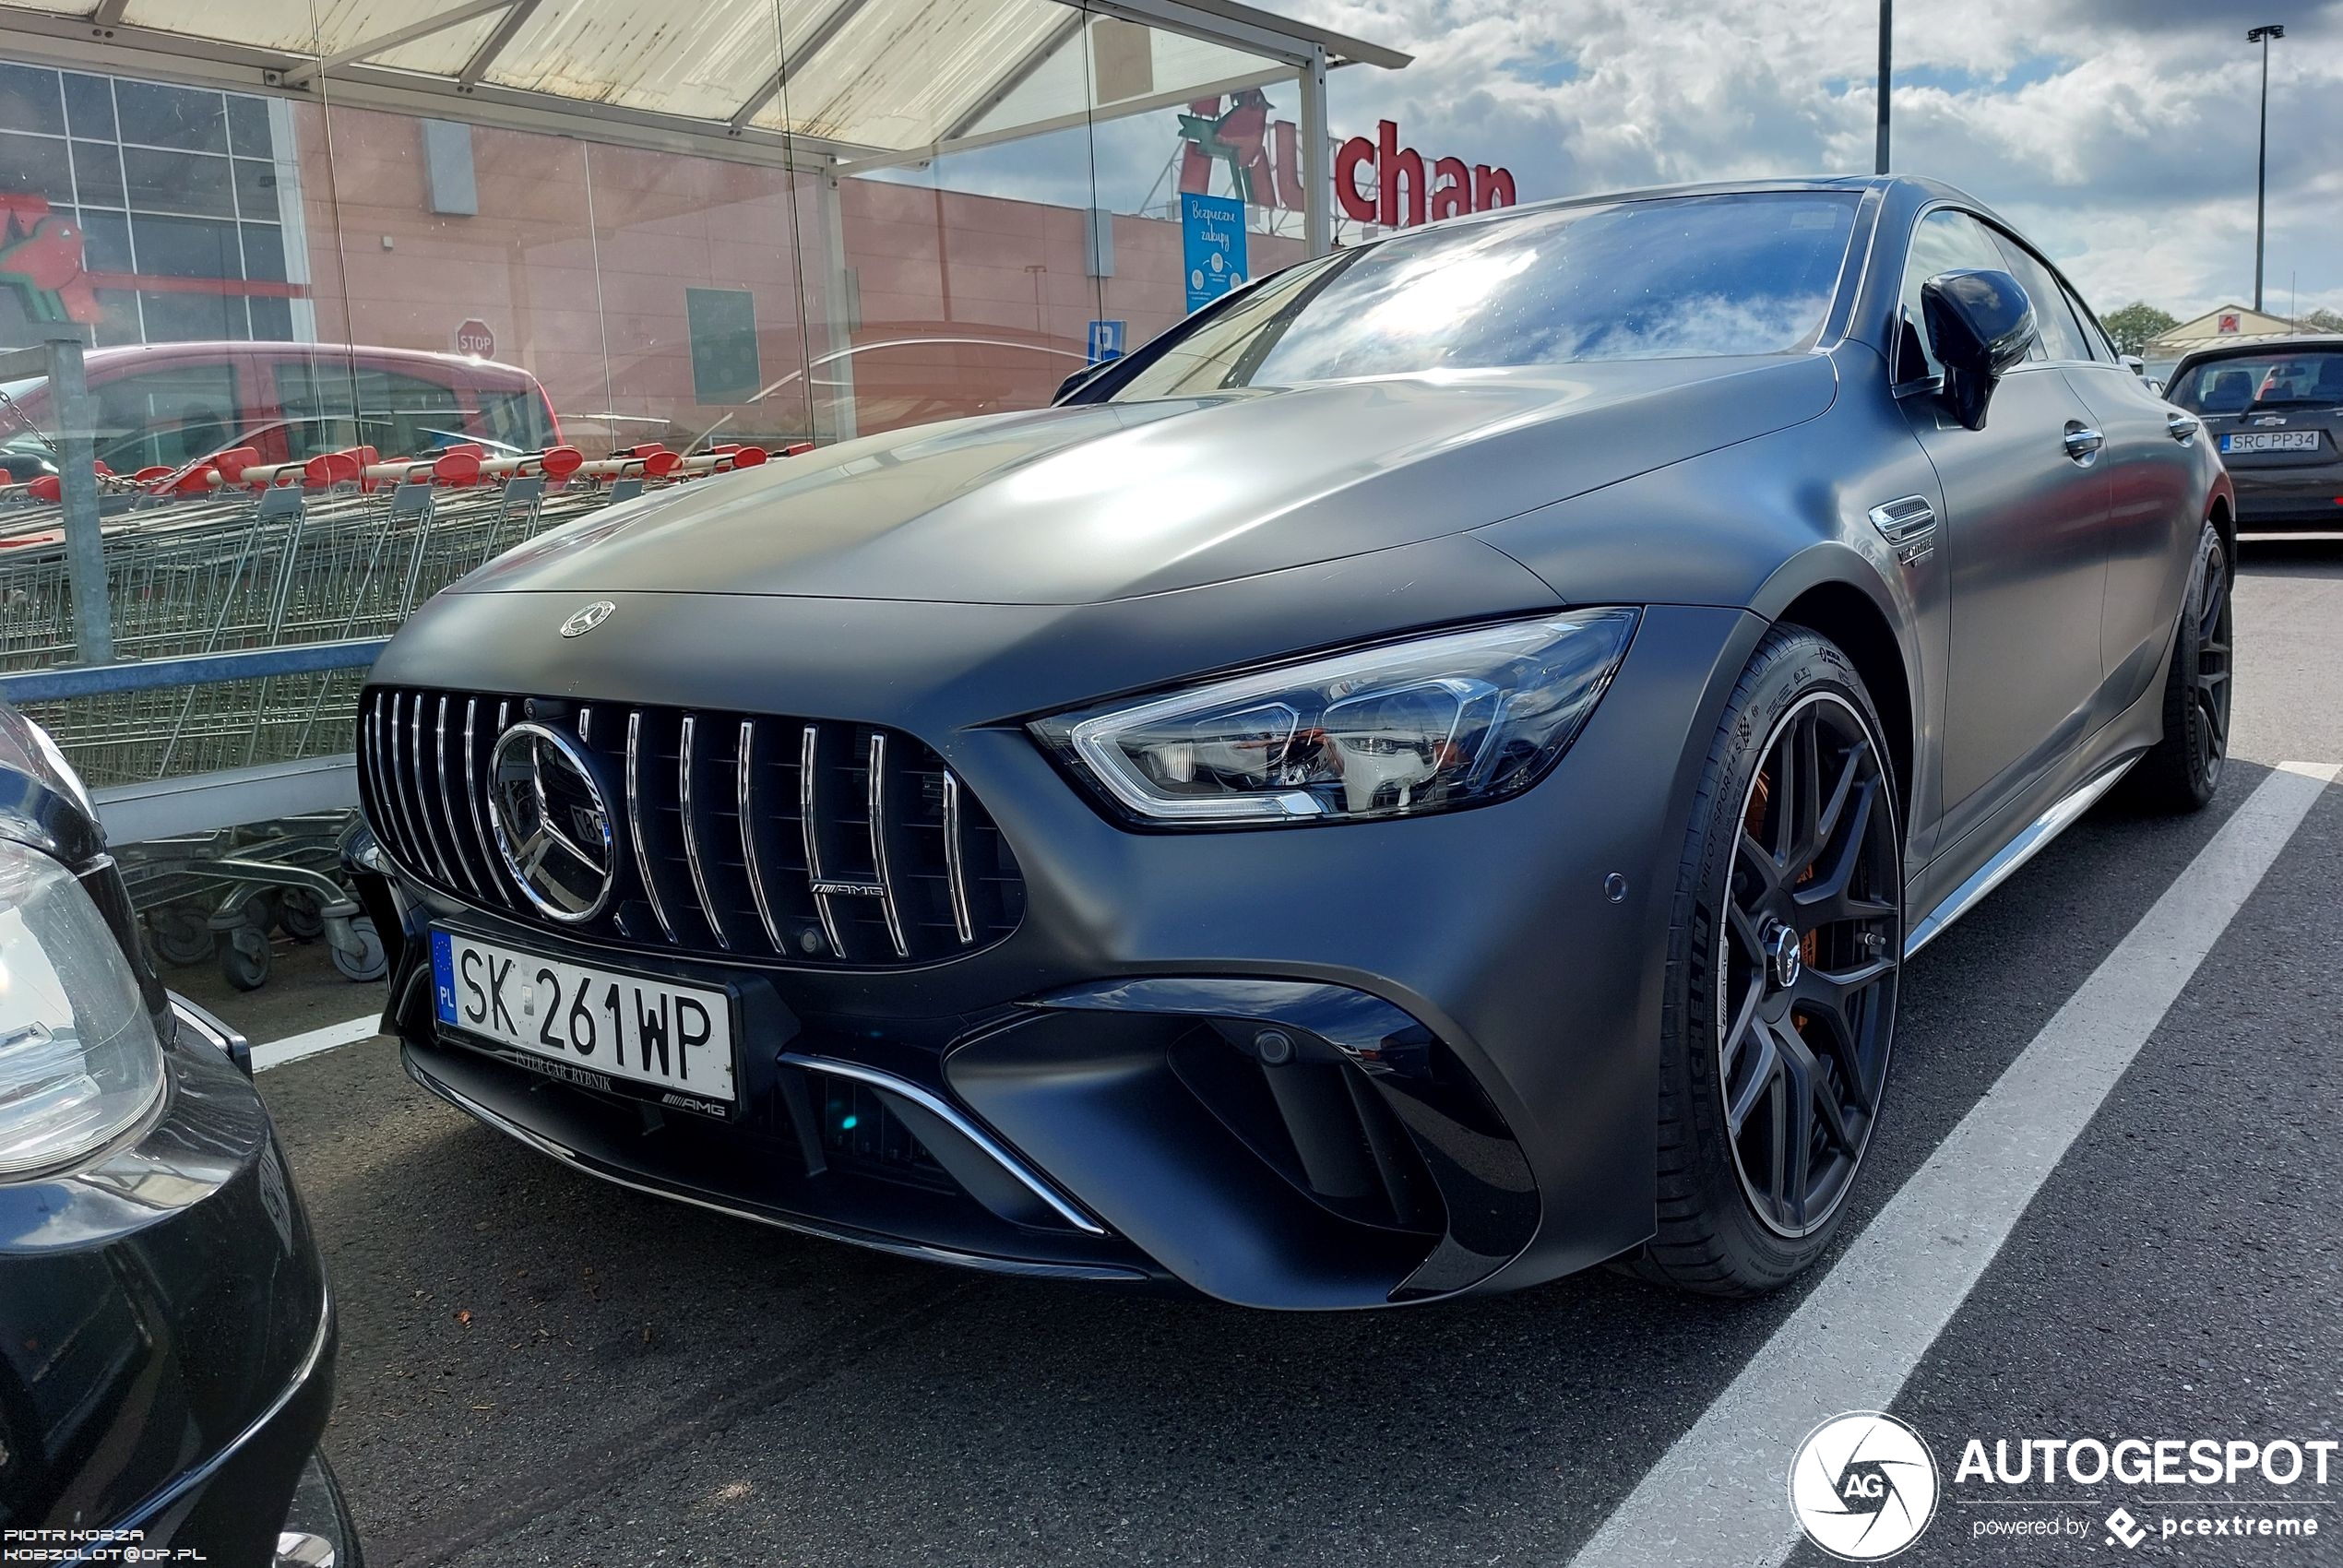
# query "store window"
(175, 190)
(722, 323)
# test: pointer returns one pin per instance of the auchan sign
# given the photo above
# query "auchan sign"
(1375, 181)
(1400, 190)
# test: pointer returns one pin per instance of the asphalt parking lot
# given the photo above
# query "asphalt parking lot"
(539, 1367)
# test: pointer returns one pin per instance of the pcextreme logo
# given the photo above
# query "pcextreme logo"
(1863, 1486)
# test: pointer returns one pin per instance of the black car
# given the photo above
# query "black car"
(166, 1339)
(2274, 410)
(1420, 778)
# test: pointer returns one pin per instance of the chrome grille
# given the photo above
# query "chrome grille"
(742, 834)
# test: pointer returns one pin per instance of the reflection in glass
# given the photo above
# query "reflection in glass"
(1679, 277)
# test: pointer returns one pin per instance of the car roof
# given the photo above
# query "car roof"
(460, 367)
(1918, 188)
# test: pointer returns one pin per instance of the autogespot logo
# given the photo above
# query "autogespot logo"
(1863, 1486)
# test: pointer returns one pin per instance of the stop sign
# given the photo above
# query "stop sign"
(473, 338)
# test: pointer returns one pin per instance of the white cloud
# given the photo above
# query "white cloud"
(2120, 133)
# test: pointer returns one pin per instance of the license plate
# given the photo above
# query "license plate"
(601, 1028)
(2271, 441)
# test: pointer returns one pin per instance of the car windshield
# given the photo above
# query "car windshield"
(17, 427)
(1675, 278)
(2233, 385)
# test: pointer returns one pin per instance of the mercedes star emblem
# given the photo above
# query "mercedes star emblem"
(1783, 948)
(584, 621)
(552, 826)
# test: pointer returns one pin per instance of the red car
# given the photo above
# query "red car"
(168, 404)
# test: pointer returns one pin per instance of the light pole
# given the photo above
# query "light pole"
(2261, 35)
(1886, 71)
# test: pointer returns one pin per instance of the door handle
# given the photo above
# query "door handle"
(2082, 442)
(2181, 428)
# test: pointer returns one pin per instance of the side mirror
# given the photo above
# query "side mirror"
(1979, 323)
(2135, 364)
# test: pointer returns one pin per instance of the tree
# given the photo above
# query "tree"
(2320, 320)
(2136, 324)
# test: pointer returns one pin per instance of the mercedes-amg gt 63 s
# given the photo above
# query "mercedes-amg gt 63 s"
(1420, 778)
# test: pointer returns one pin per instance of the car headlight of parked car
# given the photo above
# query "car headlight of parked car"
(1431, 723)
(79, 1061)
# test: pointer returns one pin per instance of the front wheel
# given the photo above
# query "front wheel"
(1782, 967)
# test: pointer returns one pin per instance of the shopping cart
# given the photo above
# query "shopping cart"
(228, 555)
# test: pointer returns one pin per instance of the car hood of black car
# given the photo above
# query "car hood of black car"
(1086, 503)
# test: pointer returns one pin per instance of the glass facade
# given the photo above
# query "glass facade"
(178, 194)
(898, 237)
(760, 226)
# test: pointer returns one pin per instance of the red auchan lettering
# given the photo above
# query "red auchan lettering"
(1402, 193)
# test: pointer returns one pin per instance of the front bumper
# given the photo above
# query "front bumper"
(1469, 1005)
(169, 1364)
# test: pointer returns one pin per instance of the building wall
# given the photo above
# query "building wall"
(873, 304)
(580, 256)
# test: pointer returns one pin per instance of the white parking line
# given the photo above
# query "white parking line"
(1718, 1496)
(293, 1048)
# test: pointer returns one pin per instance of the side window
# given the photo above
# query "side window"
(319, 404)
(170, 416)
(409, 415)
(2093, 338)
(329, 407)
(517, 419)
(2062, 335)
(1944, 240)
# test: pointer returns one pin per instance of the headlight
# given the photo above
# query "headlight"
(78, 1058)
(1426, 725)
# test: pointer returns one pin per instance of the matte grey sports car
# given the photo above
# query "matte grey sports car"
(1419, 780)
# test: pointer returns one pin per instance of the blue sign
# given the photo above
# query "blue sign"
(1212, 232)
(1106, 340)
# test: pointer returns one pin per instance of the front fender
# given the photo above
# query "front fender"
(1763, 523)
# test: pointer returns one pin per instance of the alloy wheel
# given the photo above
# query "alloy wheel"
(2211, 629)
(1814, 945)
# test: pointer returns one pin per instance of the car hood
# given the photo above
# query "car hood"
(1092, 502)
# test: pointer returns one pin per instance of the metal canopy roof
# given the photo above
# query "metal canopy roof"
(864, 81)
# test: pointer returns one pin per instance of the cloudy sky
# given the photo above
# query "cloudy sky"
(2120, 133)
